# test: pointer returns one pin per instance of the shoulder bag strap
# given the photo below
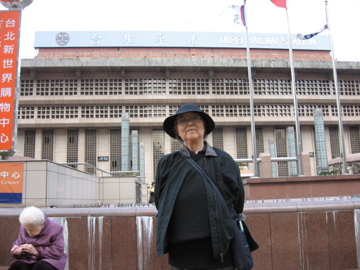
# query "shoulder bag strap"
(201, 171)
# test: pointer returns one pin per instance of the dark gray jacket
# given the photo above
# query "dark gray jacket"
(171, 172)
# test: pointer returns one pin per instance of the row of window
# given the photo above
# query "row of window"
(183, 86)
(161, 111)
(281, 146)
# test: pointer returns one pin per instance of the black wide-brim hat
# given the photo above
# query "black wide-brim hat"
(169, 122)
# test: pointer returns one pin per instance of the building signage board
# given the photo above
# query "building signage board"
(103, 158)
(11, 182)
(9, 52)
(176, 39)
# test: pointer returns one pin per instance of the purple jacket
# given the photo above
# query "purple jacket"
(49, 243)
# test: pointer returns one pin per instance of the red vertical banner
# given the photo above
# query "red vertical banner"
(11, 182)
(9, 52)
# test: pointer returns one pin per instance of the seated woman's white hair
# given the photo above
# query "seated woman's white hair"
(32, 215)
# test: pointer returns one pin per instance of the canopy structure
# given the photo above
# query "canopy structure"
(16, 4)
(245, 172)
(349, 159)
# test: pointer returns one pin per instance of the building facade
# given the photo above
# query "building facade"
(72, 101)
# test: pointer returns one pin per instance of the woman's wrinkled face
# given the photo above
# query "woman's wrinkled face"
(190, 126)
(33, 230)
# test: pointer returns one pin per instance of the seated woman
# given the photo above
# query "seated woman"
(40, 245)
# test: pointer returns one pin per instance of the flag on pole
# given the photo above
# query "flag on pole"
(279, 3)
(236, 13)
(242, 14)
(303, 37)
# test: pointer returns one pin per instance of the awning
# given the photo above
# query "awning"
(349, 159)
(245, 172)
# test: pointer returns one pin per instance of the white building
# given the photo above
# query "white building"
(74, 93)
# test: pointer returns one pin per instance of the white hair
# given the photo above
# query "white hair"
(32, 215)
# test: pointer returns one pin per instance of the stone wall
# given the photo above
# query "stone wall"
(306, 235)
(306, 187)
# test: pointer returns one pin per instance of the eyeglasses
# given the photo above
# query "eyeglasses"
(184, 121)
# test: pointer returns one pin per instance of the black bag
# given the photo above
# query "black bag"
(243, 243)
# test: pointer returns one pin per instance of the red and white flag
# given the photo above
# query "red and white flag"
(279, 3)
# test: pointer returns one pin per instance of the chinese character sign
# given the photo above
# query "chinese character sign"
(9, 50)
(11, 182)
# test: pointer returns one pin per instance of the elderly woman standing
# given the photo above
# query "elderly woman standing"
(192, 226)
(40, 245)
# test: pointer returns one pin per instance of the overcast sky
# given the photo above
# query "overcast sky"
(305, 16)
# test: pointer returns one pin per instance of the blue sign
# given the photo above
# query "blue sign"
(176, 39)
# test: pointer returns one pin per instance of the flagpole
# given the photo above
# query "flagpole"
(338, 103)
(251, 88)
(296, 110)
